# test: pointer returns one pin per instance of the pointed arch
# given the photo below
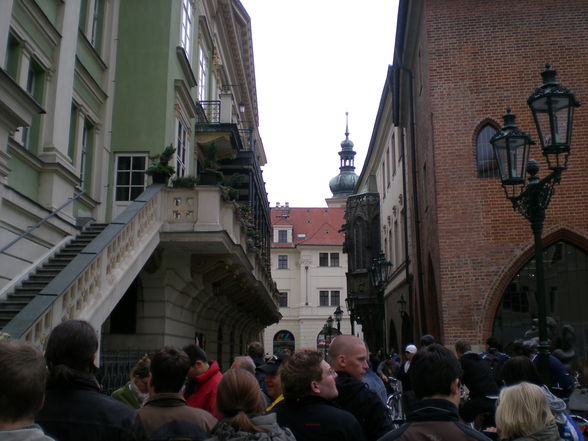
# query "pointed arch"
(486, 166)
(496, 293)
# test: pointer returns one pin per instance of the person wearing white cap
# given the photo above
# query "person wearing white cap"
(402, 375)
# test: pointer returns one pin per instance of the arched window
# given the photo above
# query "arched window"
(283, 340)
(486, 163)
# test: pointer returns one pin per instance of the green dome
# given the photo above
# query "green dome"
(346, 144)
(343, 184)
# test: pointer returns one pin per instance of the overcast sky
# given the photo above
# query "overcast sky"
(314, 61)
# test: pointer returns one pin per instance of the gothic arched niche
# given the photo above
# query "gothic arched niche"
(566, 283)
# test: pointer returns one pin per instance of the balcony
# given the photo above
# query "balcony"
(223, 246)
(233, 153)
(211, 237)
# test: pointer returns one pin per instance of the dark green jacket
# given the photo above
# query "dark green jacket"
(127, 396)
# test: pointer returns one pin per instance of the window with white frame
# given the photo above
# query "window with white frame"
(181, 149)
(13, 55)
(335, 298)
(92, 20)
(397, 244)
(86, 155)
(282, 262)
(25, 69)
(95, 23)
(393, 159)
(130, 179)
(73, 130)
(329, 298)
(35, 87)
(283, 300)
(202, 73)
(387, 167)
(328, 259)
(282, 236)
(186, 27)
(334, 259)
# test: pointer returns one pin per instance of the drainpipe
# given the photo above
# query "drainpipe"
(306, 283)
(415, 200)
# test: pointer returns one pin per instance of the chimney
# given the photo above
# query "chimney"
(277, 205)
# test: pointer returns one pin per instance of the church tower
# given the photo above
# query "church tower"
(343, 184)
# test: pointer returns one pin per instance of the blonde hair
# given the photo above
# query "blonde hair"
(522, 410)
(142, 368)
(238, 398)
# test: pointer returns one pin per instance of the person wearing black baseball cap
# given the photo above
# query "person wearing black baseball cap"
(273, 384)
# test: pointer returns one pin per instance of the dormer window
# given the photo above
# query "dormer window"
(282, 236)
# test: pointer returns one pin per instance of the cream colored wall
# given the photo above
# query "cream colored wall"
(304, 320)
(389, 181)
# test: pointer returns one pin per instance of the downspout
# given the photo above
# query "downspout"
(415, 196)
(306, 284)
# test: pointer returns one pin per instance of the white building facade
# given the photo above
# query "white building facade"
(308, 266)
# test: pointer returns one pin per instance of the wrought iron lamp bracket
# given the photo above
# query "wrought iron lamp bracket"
(535, 198)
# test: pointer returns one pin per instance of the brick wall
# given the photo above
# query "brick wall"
(477, 57)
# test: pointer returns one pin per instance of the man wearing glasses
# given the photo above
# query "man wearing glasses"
(308, 384)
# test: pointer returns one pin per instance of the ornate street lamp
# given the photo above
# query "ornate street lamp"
(379, 272)
(553, 110)
(351, 301)
(552, 106)
(327, 334)
(329, 323)
(338, 316)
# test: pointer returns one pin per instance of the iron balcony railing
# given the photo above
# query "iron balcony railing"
(247, 139)
(41, 222)
(208, 112)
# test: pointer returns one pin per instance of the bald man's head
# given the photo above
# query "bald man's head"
(348, 354)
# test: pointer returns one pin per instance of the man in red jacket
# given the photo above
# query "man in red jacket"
(203, 379)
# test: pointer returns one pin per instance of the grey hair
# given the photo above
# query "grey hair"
(244, 362)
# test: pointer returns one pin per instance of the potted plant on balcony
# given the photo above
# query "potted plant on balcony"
(160, 170)
(209, 174)
(229, 187)
(188, 181)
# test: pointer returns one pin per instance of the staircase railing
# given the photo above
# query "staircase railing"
(41, 222)
(87, 285)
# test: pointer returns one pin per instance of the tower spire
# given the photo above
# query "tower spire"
(343, 184)
(346, 125)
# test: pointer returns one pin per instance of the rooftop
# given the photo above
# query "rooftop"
(310, 226)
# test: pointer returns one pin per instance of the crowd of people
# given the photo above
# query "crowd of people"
(178, 393)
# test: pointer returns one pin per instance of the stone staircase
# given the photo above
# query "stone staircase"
(31, 287)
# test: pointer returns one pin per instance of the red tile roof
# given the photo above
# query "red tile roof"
(319, 225)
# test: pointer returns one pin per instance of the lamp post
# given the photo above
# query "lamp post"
(379, 272)
(351, 301)
(552, 106)
(338, 316)
(328, 332)
(402, 306)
